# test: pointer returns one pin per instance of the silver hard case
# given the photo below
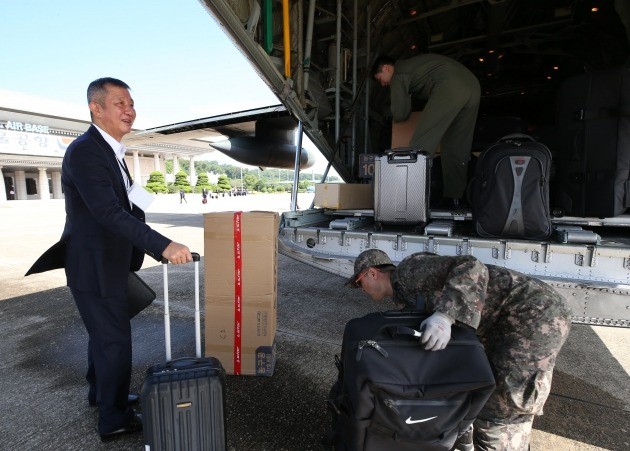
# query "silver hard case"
(401, 186)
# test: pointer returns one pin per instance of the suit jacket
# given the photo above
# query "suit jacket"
(103, 238)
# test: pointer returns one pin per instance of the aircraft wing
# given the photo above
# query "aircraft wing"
(263, 137)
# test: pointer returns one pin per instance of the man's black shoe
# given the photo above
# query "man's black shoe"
(132, 399)
(134, 425)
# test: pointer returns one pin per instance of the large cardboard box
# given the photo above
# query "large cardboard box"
(343, 196)
(402, 131)
(241, 267)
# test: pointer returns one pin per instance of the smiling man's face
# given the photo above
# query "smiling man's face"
(114, 112)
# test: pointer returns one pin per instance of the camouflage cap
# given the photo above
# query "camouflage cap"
(368, 259)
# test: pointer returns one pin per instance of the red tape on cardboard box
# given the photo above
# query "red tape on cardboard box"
(238, 291)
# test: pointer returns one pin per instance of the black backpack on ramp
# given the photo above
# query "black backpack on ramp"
(391, 394)
(510, 190)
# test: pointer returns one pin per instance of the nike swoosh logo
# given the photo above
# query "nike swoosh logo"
(410, 421)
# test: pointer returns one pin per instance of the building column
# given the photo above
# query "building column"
(56, 185)
(175, 165)
(156, 162)
(136, 167)
(20, 185)
(193, 175)
(169, 177)
(3, 188)
(42, 184)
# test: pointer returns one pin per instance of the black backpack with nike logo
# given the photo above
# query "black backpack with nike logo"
(391, 394)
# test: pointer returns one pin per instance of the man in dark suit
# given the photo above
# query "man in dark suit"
(105, 237)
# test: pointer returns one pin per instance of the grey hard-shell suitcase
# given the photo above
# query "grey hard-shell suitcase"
(401, 187)
(183, 401)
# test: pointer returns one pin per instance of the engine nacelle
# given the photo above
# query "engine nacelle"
(261, 152)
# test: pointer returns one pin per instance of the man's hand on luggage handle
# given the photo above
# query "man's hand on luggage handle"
(436, 331)
(177, 253)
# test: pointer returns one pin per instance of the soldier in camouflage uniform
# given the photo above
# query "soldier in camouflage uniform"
(521, 321)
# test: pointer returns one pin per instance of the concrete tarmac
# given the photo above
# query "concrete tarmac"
(43, 348)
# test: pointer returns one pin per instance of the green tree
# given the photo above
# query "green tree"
(202, 181)
(183, 166)
(181, 182)
(235, 183)
(223, 183)
(259, 185)
(208, 166)
(156, 183)
(250, 181)
(302, 186)
(266, 177)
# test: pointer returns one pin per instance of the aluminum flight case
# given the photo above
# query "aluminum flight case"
(183, 400)
(401, 187)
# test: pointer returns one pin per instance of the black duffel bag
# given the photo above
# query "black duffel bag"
(393, 394)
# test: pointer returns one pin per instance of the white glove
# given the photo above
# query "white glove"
(436, 331)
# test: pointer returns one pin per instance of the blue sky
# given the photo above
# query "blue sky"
(178, 62)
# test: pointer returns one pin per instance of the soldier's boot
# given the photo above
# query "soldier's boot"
(465, 441)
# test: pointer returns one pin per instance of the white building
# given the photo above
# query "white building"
(35, 133)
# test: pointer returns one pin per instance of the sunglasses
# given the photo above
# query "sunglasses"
(357, 282)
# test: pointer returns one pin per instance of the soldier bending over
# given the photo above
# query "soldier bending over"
(521, 321)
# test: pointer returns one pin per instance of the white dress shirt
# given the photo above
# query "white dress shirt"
(119, 151)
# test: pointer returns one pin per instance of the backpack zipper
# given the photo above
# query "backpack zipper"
(375, 345)
(371, 344)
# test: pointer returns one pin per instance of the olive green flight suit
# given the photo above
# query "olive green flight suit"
(452, 93)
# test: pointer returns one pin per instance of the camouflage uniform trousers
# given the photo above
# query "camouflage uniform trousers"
(522, 345)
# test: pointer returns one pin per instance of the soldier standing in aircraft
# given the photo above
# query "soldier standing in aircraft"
(452, 93)
(521, 321)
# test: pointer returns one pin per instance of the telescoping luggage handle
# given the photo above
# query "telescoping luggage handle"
(167, 318)
(402, 155)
